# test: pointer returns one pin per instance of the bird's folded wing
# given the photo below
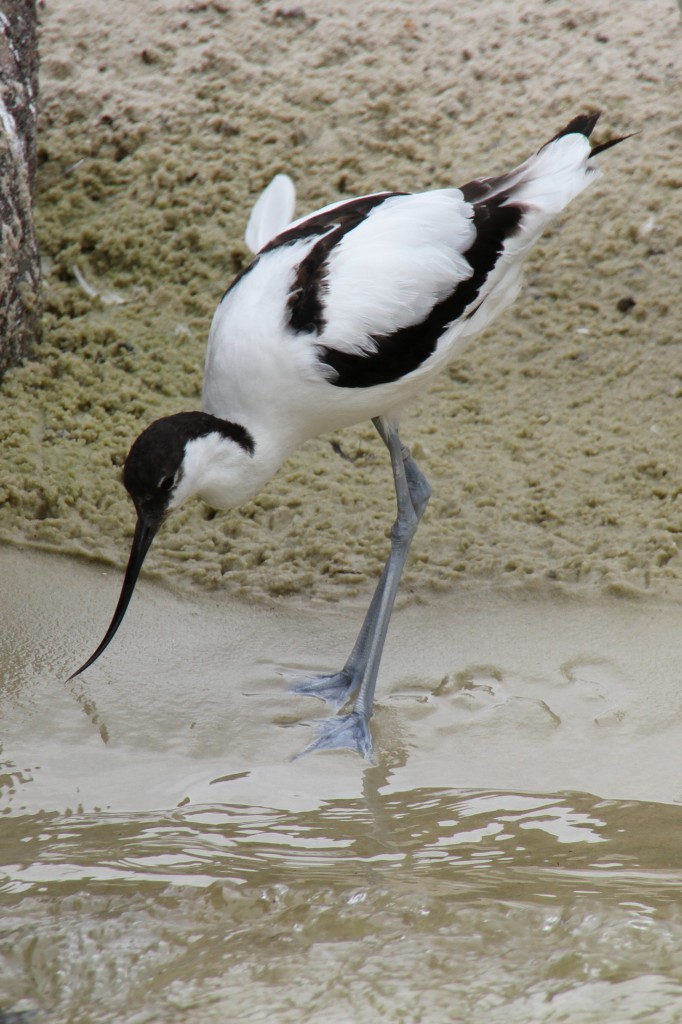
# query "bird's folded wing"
(393, 268)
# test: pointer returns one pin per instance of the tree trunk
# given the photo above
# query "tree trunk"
(19, 258)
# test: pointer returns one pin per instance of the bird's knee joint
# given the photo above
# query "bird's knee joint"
(423, 492)
(420, 492)
(404, 527)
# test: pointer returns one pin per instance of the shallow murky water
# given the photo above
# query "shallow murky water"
(427, 905)
(163, 859)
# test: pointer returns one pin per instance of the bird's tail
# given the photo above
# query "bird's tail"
(549, 179)
(511, 211)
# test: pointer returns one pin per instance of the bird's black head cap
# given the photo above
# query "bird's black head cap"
(151, 474)
(154, 463)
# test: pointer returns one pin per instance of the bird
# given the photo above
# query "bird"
(344, 315)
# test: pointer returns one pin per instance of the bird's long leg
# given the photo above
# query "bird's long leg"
(361, 669)
(338, 687)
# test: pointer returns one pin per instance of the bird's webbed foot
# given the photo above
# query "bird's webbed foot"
(347, 732)
(335, 687)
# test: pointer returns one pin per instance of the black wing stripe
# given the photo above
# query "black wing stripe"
(306, 299)
(307, 290)
(583, 124)
(351, 213)
(404, 350)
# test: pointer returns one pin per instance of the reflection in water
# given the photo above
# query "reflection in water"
(427, 905)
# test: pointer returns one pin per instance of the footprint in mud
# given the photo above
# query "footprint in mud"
(592, 679)
(486, 694)
(598, 683)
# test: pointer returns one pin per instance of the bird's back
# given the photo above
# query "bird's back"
(347, 312)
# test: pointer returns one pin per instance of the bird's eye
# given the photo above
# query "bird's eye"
(166, 483)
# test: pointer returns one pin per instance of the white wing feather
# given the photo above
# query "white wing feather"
(273, 211)
(395, 266)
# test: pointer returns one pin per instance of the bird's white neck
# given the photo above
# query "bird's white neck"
(224, 473)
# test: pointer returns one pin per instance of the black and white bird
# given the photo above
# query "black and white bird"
(343, 315)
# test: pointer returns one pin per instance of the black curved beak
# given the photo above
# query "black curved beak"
(145, 531)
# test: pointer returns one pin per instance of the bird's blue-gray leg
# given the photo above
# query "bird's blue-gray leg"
(338, 687)
(362, 668)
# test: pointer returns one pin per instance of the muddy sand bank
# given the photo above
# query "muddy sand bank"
(553, 442)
